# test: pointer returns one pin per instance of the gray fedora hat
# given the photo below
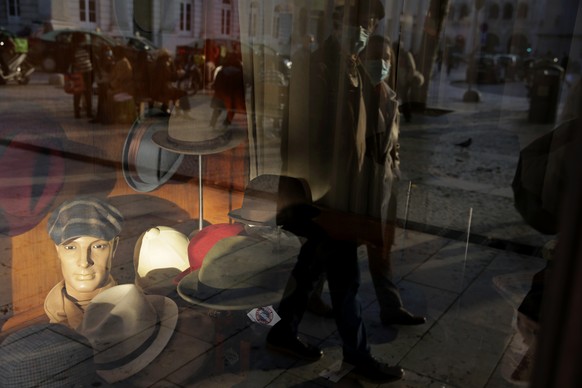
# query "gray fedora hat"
(145, 165)
(190, 133)
(275, 200)
(238, 273)
(47, 355)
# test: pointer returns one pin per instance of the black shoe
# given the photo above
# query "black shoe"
(401, 317)
(372, 370)
(292, 345)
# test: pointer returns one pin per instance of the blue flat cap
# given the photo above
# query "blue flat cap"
(84, 217)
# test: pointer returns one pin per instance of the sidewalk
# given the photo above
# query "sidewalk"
(468, 293)
(449, 183)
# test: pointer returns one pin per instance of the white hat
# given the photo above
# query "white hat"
(160, 254)
(127, 330)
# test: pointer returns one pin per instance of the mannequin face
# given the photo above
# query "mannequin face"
(86, 263)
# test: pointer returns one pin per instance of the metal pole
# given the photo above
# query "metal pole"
(473, 95)
(200, 200)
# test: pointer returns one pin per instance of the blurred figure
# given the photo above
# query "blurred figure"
(6, 52)
(229, 90)
(81, 63)
(407, 78)
(103, 67)
(296, 122)
(163, 89)
(142, 77)
(121, 90)
(379, 175)
(375, 183)
(337, 149)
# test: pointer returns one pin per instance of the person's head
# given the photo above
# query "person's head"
(356, 20)
(377, 59)
(85, 232)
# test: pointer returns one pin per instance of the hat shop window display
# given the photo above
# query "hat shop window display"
(126, 329)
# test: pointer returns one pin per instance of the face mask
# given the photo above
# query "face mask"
(378, 70)
(358, 38)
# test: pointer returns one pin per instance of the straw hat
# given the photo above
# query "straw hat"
(47, 355)
(127, 330)
(238, 273)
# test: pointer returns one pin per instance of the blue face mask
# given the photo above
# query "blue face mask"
(358, 38)
(377, 69)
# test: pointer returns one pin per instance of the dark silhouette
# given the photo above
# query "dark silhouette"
(229, 90)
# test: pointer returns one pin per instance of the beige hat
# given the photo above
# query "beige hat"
(160, 254)
(127, 330)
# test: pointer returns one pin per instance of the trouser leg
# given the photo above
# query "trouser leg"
(343, 278)
(307, 270)
(380, 266)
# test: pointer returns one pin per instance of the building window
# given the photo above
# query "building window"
(463, 11)
(253, 19)
(185, 16)
(225, 21)
(522, 11)
(14, 8)
(507, 11)
(451, 15)
(283, 26)
(87, 11)
(493, 11)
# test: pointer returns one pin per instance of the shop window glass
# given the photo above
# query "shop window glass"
(437, 152)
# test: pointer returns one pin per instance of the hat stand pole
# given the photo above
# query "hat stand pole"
(200, 200)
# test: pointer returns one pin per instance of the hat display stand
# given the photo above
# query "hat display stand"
(195, 120)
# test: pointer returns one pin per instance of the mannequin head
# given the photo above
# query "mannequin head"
(86, 264)
(85, 232)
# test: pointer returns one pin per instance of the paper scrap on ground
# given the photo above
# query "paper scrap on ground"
(336, 371)
(264, 315)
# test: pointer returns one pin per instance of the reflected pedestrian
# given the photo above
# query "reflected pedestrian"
(81, 63)
(103, 68)
(229, 90)
(407, 78)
